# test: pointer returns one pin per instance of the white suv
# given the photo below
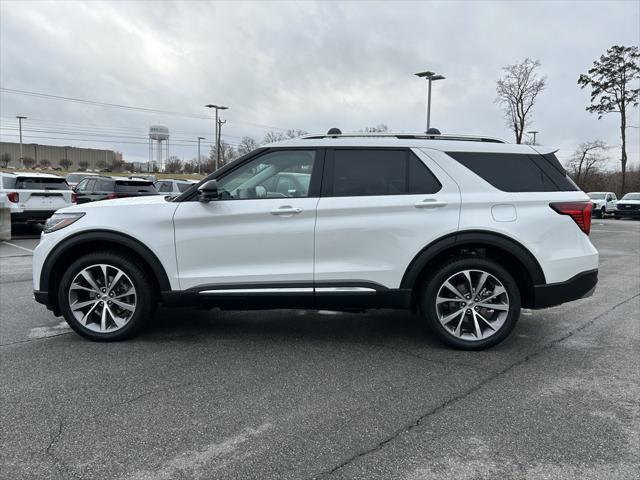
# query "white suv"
(33, 197)
(463, 230)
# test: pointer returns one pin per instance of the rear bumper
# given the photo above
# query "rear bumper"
(31, 215)
(579, 286)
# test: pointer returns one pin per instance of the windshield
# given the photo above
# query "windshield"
(631, 196)
(596, 196)
(40, 183)
(135, 186)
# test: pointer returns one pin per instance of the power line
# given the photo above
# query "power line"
(128, 107)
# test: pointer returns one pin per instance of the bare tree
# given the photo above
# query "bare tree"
(611, 80)
(271, 137)
(5, 159)
(380, 128)
(517, 92)
(83, 164)
(45, 163)
(28, 162)
(101, 164)
(65, 163)
(117, 165)
(247, 144)
(190, 167)
(295, 132)
(587, 159)
(174, 165)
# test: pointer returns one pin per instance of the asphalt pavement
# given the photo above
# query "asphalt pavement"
(306, 394)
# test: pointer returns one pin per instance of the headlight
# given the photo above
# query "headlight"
(61, 220)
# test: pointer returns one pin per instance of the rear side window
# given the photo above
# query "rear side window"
(163, 186)
(369, 172)
(182, 187)
(141, 187)
(41, 183)
(516, 172)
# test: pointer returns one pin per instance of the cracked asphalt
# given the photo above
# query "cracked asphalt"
(303, 395)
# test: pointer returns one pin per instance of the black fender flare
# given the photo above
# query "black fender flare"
(473, 237)
(110, 236)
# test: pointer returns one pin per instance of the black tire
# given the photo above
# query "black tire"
(146, 296)
(430, 290)
(602, 212)
(617, 217)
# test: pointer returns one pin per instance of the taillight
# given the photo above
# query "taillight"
(111, 196)
(74, 197)
(13, 197)
(579, 211)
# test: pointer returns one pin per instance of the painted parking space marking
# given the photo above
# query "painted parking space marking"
(17, 246)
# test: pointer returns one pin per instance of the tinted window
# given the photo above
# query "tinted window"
(379, 172)
(41, 183)
(104, 186)
(133, 186)
(260, 177)
(163, 186)
(82, 185)
(516, 172)
(182, 187)
(91, 185)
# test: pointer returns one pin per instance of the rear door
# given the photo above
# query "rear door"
(43, 193)
(379, 208)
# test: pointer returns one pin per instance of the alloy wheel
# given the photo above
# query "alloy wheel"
(102, 298)
(472, 305)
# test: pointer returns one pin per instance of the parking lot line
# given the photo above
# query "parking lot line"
(17, 246)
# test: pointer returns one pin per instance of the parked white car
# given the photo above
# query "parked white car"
(628, 206)
(34, 197)
(462, 230)
(173, 185)
(603, 203)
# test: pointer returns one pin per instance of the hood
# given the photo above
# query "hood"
(118, 202)
(628, 202)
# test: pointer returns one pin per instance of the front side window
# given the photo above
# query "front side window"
(279, 174)
(372, 172)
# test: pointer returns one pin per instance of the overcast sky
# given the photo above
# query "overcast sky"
(307, 65)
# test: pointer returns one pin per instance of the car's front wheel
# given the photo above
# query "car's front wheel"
(471, 303)
(106, 296)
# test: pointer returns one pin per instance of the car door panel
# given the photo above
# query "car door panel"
(373, 238)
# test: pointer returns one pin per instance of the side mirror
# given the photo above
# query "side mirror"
(208, 191)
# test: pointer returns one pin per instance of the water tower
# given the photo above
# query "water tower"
(159, 134)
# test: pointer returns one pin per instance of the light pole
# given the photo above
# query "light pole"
(199, 157)
(431, 77)
(20, 118)
(217, 107)
(534, 132)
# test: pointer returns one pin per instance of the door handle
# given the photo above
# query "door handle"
(286, 210)
(430, 203)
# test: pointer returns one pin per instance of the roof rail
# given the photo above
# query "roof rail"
(407, 136)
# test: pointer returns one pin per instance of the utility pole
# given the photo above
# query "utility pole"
(220, 123)
(20, 118)
(199, 157)
(431, 77)
(217, 107)
(534, 132)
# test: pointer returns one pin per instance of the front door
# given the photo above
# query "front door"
(258, 235)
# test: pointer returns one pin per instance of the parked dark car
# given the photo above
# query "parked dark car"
(107, 188)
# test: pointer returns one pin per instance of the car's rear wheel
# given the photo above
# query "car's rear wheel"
(106, 296)
(602, 212)
(471, 303)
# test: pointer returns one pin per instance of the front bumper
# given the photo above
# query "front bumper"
(551, 294)
(627, 213)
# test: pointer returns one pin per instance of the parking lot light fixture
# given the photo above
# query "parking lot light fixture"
(217, 107)
(431, 77)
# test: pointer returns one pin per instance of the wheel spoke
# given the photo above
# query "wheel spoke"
(456, 332)
(117, 320)
(103, 319)
(440, 300)
(86, 315)
(129, 292)
(494, 306)
(467, 275)
(496, 293)
(455, 291)
(104, 275)
(479, 315)
(79, 305)
(89, 278)
(76, 286)
(114, 282)
(451, 316)
(477, 326)
(481, 281)
(126, 306)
